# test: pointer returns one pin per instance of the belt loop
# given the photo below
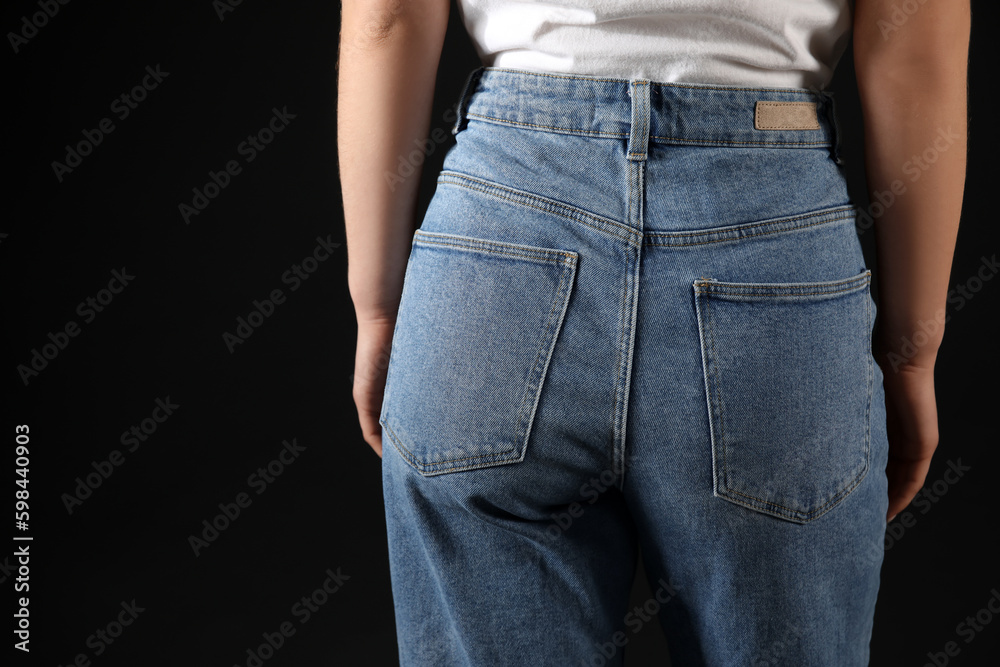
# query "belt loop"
(831, 114)
(470, 86)
(638, 139)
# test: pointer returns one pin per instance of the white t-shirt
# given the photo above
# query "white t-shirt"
(779, 43)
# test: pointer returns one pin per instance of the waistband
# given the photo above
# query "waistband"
(646, 112)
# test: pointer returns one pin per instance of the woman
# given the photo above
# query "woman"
(636, 312)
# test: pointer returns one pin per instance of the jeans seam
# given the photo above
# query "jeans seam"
(503, 249)
(408, 455)
(570, 130)
(629, 318)
(744, 231)
(871, 380)
(659, 138)
(512, 195)
(667, 84)
(779, 296)
(718, 393)
(763, 223)
(734, 142)
(625, 325)
(621, 341)
(529, 390)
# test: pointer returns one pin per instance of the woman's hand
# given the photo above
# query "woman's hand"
(911, 423)
(371, 361)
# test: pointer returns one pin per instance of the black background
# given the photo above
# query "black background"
(162, 336)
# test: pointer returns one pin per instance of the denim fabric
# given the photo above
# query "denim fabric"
(630, 317)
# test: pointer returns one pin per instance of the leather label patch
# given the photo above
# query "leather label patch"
(785, 116)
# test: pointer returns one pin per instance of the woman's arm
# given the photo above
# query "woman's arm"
(389, 54)
(911, 71)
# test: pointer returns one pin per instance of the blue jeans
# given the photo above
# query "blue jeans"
(635, 313)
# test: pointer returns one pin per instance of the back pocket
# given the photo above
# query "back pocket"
(475, 330)
(788, 379)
